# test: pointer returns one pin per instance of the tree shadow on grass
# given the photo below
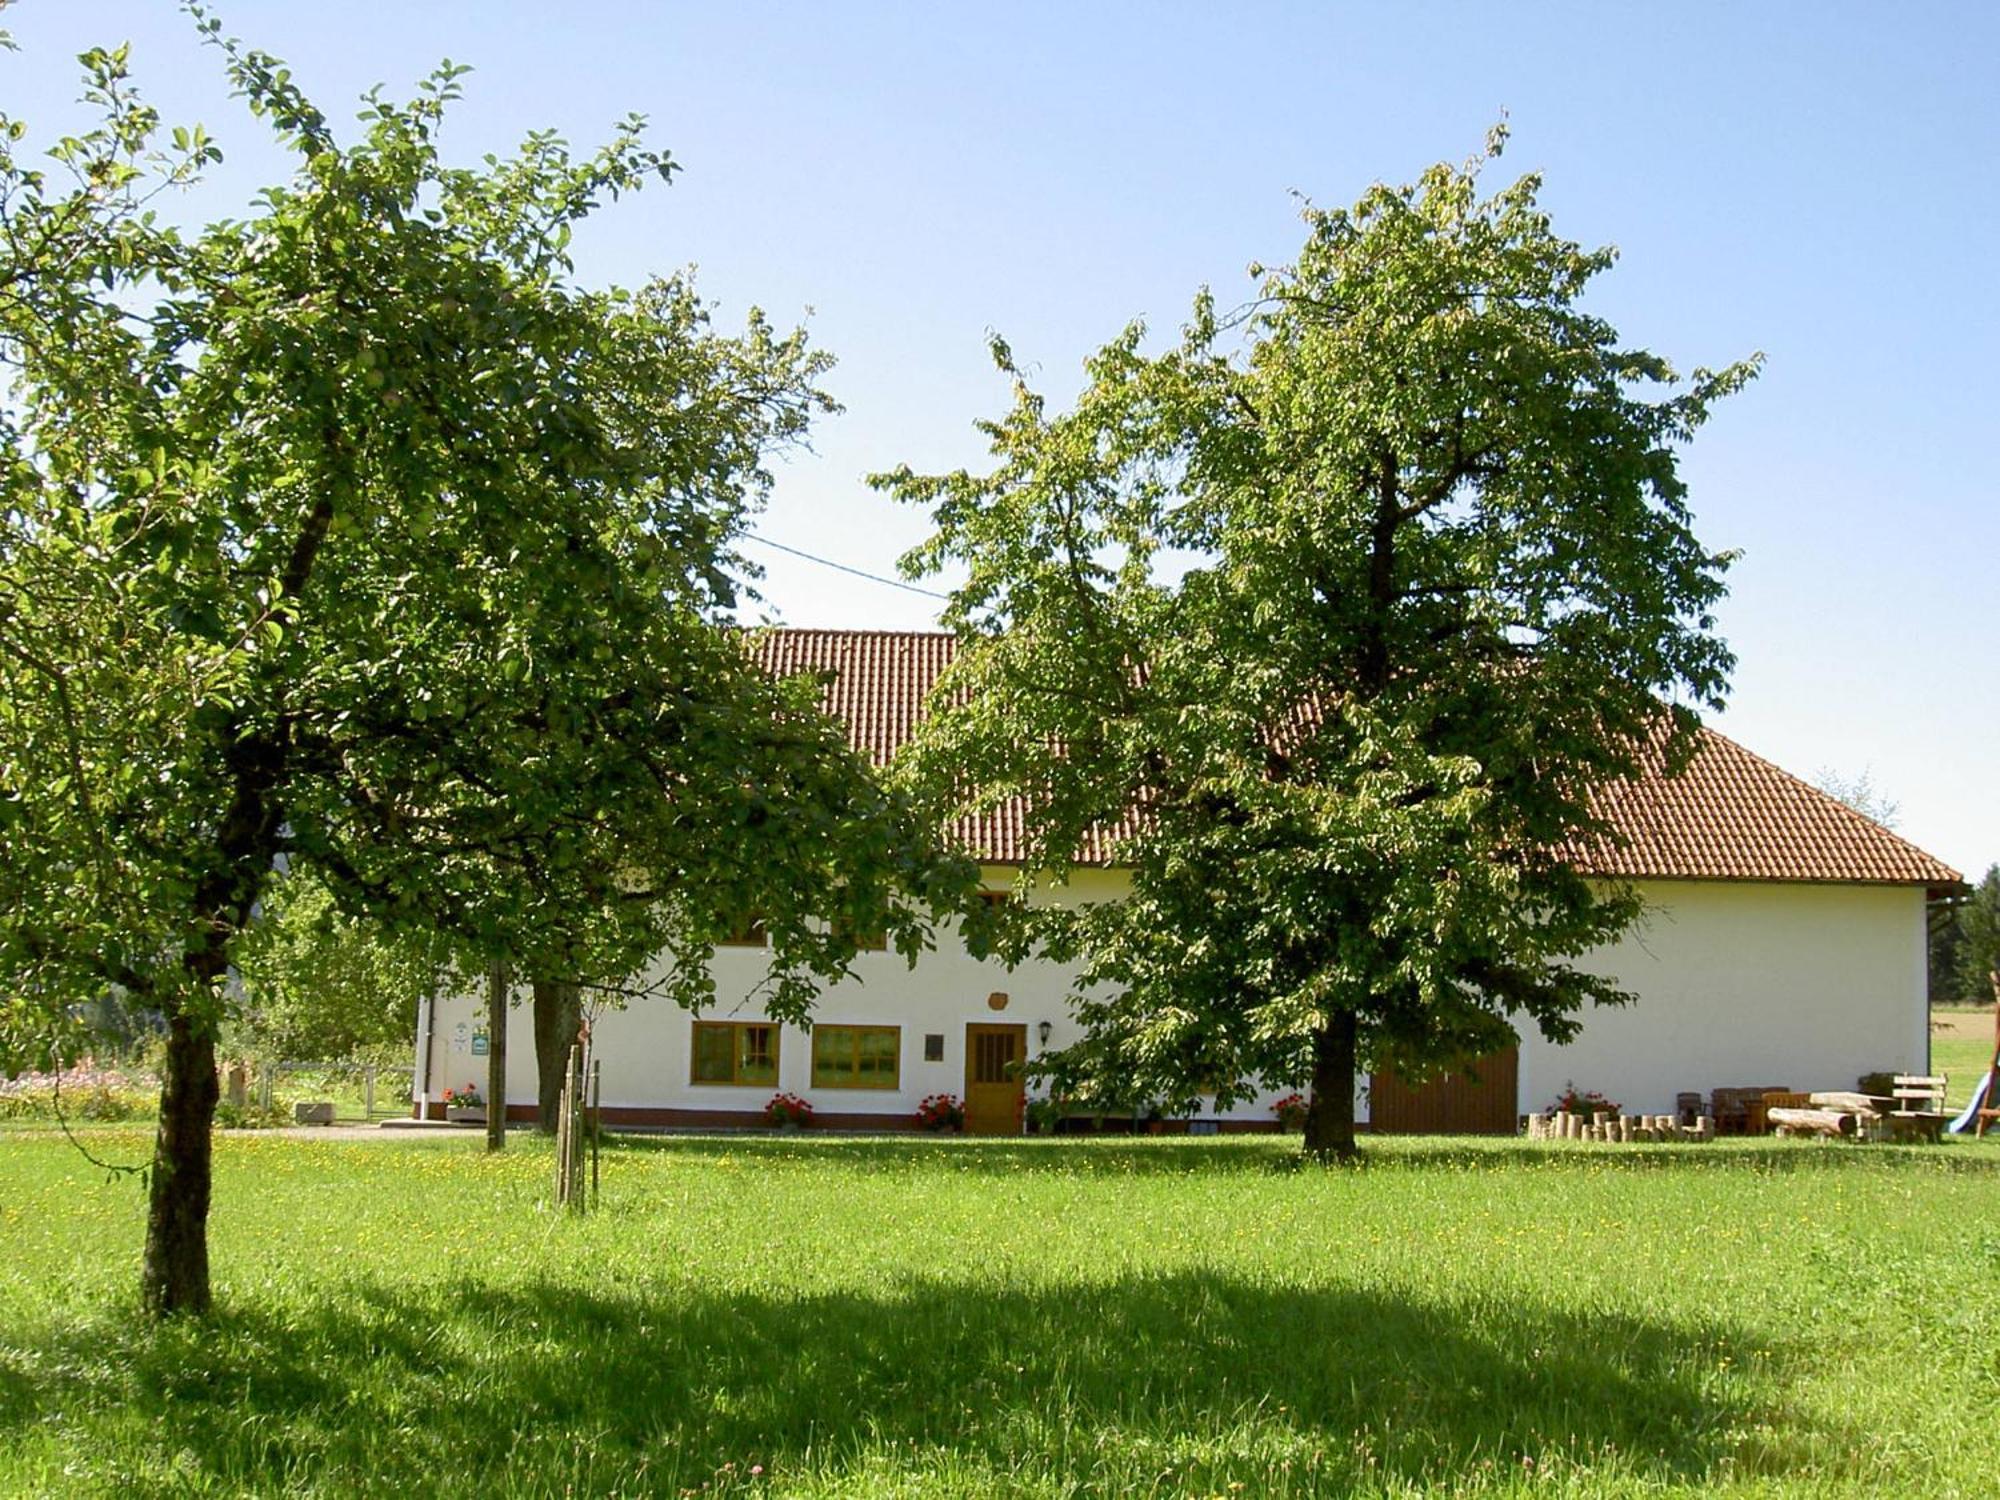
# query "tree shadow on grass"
(1193, 1381)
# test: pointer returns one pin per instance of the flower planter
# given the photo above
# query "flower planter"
(461, 1116)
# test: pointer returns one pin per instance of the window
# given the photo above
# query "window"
(748, 933)
(997, 900)
(876, 941)
(933, 1046)
(856, 1057)
(744, 1052)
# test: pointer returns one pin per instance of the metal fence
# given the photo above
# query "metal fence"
(365, 1091)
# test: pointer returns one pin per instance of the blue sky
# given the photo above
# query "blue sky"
(1812, 181)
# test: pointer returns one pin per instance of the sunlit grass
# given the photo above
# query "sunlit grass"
(1961, 1049)
(860, 1317)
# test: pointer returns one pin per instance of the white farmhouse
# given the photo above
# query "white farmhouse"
(1783, 945)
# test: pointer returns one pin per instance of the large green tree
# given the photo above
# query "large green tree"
(354, 535)
(1333, 619)
(318, 983)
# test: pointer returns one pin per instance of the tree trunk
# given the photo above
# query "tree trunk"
(1330, 1115)
(1827, 1122)
(174, 1275)
(496, 1058)
(558, 1025)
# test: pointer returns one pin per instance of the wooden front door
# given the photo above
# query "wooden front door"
(996, 1096)
(1475, 1098)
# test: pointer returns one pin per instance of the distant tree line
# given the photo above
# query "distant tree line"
(1965, 945)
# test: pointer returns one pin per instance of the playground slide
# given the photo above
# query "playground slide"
(1965, 1121)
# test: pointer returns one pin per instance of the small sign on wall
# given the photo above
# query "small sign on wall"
(478, 1044)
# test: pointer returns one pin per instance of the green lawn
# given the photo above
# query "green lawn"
(1962, 1054)
(817, 1316)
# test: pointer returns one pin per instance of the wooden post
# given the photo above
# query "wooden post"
(596, 1121)
(579, 1127)
(563, 1105)
(496, 1057)
(368, 1091)
(573, 1134)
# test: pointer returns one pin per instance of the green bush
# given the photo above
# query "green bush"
(230, 1116)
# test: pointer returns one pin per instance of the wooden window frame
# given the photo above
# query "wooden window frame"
(856, 1082)
(736, 1080)
(1000, 899)
(749, 933)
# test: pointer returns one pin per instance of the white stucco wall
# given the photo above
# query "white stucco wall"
(645, 1047)
(1742, 983)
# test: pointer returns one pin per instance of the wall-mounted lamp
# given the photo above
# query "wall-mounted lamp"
(1043, 1031)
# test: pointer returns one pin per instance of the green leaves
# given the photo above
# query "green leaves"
(353, 535)
(1435, 581)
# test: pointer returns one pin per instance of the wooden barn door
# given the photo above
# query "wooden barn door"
(1454, 1103)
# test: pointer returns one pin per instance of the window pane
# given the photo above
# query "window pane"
(879, 1049)
(760, 1055)
(992, 1056)
(714, 1053)
(833, 1056)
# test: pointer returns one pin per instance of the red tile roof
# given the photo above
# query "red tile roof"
(1731, 816)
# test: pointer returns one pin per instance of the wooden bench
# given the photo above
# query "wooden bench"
(1919, 1113)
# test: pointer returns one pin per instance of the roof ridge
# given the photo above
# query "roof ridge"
(847, 630)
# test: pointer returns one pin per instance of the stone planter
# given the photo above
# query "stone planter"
(459, 1115)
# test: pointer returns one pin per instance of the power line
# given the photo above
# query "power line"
(827, 562)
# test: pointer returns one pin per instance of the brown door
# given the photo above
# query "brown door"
(995, 1094)
(1475, 1098)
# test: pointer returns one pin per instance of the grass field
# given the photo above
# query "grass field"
(819, 1316)
(1961, 1048)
